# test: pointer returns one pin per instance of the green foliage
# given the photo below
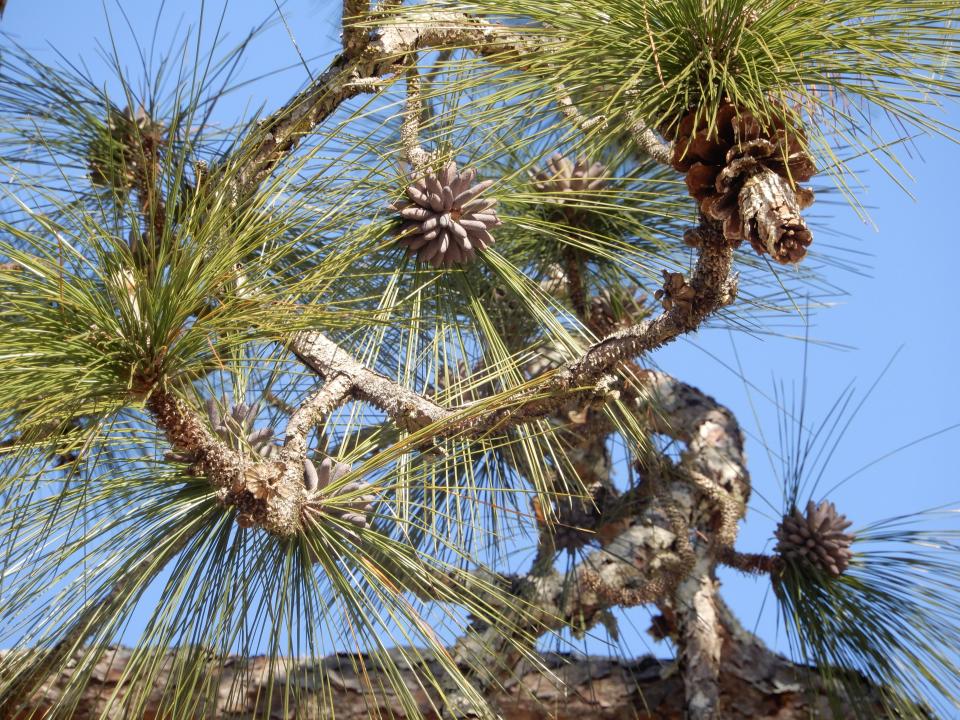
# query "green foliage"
(844, 65)
(889, 621)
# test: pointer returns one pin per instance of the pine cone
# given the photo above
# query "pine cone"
(617, 307)
(564, 181)
(816, 537)
(446, 221)
(677, 292)
(576, 519)
(122, 156)
(355, 511)
(563, 176)
(235, 426)
(719, 163)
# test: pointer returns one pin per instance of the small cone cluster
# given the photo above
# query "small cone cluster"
(121, 158)
(446, 222)
(722, 160)
(676, 293)
(235, 426)
(355, 510)
(817, 537)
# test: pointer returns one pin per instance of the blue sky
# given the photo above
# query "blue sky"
(904, 297)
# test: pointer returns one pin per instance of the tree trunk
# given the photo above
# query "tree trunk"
(754, 683)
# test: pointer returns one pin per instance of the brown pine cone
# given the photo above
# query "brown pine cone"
(446, 220)
(355, 511)
(676, 292)
(575, 519)
(616, 308)
(816, 537)
(719, 162)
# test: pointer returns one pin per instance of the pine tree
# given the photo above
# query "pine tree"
(330, 396)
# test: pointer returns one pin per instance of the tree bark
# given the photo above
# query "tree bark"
(755, 683)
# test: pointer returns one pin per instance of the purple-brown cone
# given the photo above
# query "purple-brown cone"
(818, 537)
(563, 176)
(355, 511)
(446, 220)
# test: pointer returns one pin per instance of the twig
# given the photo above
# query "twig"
(588, 375)
(750, 563)
(573, 114)
(652, 145)
(352, 73)
(418, 158)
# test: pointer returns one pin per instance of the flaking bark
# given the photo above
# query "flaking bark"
(754, 684)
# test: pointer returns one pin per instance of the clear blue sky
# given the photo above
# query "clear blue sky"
(907, 297)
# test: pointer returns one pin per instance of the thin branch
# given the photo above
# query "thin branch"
(348, 75)
(573, 114)
(317, 407)
(270, 494)
(750, 563)
(589, 375)
(652, 145)
(187, 433)
(418, 158)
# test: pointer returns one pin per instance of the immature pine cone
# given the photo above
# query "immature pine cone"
(355, 511)
(446, 220)
(816, 537)
(563, 176)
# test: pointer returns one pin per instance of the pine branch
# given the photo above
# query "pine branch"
(350, 74)
(650, 560)
(270, 494)
(700, 641)
(359, 68)
(354, 35)
(585, 377)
